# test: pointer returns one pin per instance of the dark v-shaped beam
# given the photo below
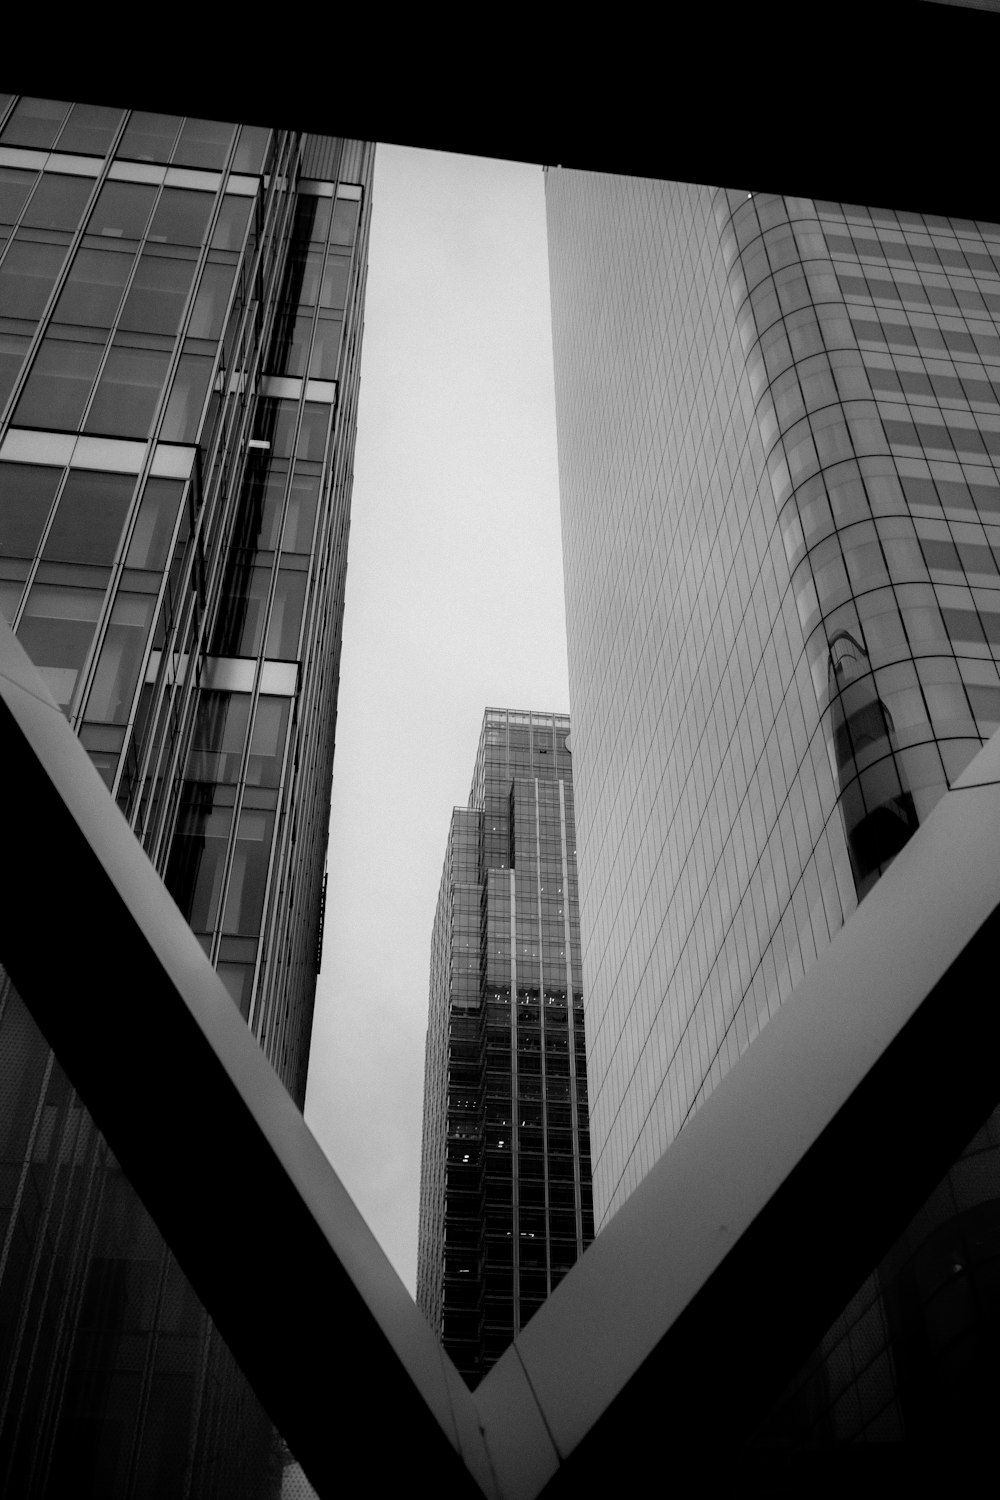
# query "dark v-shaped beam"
(693, 1306)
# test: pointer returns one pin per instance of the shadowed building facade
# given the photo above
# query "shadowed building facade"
(181, 316)
(505, 1198)
(779, 449)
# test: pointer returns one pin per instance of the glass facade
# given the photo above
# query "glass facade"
(505, 1200)
(180, 325)
(779, 434)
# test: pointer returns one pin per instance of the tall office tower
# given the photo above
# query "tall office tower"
(181, 321)
(505, 1197)
(779, 449)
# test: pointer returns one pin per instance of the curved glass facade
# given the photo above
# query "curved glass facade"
(779, 446)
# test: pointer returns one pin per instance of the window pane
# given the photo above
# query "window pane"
(203, 143)
(312, 433)
(14, 189)
(250, 150)
(88, 523)
(58, 386)
(181, 216)
(245, 898)
(121, 657)
(154, 524)
(264, 500)
(122, 210)
(27, 276)
(345, 219)
(56, 630)
(335, 281)
(301, 514)
(231, 224)
(187, 399)
(198, 855)
(149, 137)
(35, 122)
(209, 309)
(326, 349)
(240, 624)
(268, 743)
(155, 303)
(220, 733)
(93, 289)
(13, 348)
(286, 616)
(90, 129)
(26, 495)
(58, 201)
(128, 393)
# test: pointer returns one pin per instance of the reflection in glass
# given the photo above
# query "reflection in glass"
(58, 201)
(27, 276)
(878, 811)
(26, 495)
(149, 137)
(181, 216)
(56, 630)
(117, 672)
(93, 289)
(128, 393)
(34, 122)
(154, 523)
(58, 385)
(90, 517)
(122, 210)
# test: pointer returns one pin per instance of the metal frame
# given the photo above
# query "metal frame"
(694, 1305)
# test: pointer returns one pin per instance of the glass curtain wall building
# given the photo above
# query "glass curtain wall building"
(505, 1195)
(779, 449)
(181, 317)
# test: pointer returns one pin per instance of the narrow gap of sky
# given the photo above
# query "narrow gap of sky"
(454, 602)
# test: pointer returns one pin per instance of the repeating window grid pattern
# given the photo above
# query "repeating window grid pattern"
(683, 964)
(873, 503)
(277, 758)
(506, 1213)
(864, 535)
(853, 532)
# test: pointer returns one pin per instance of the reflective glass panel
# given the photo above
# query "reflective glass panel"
(27, 276)
(26, 495)
(90, 129)
(203, 143)
(149, 137)
(154, 524)
(34, 122)
(93, 289)
(56, 630)
(59, 384)
(128, 392)
(58, 201)
(91, 513)
(15, 186)
(122, 210)
(156, 298)
(117, 672)
(181, 216)
(187, 399)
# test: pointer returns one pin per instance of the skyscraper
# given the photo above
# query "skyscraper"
(181, 306)
(779, 447)
(505, 1198)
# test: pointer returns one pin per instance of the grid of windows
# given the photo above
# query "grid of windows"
(180, 334)
(505, 1202)
(779, 446)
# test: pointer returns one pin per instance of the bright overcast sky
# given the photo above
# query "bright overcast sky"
(454, 602)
